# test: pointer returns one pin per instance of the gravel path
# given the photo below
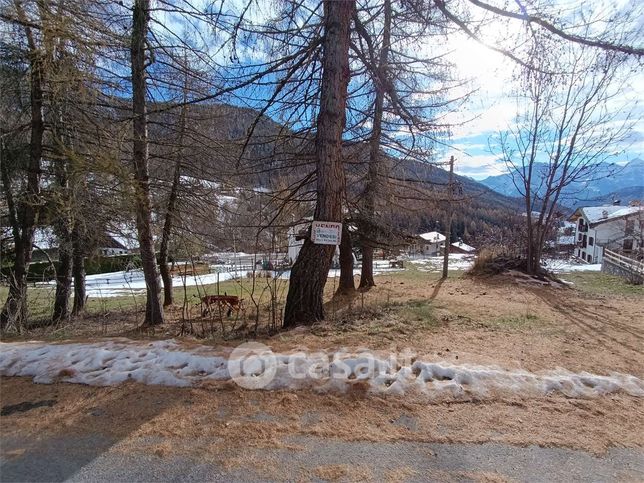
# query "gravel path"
(97, 458)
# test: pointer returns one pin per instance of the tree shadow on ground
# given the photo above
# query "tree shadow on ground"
(594, 324)
(56, 441)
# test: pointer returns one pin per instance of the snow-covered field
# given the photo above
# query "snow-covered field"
(457, 261)
(127, 283)
(132, 282)
(119, 284)
(255, 366)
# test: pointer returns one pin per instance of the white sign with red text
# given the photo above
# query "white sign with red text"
(326, 232)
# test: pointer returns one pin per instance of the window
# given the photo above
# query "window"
(580, 235)
(591, 241)
(589, 258)
(628, 244)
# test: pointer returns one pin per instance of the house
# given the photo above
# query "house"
(428, 244)
(110, 246)
(460, 247)
(296, 236)
(300, 232)
(46, 244)
(613, 227)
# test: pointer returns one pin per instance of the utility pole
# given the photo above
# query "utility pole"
(448, 223)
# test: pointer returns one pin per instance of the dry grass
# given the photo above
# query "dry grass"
(463, 320)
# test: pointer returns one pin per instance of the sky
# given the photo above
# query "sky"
(491, 109)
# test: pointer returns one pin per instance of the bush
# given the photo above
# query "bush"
(489, 262)
(44, 272)
(117, 263)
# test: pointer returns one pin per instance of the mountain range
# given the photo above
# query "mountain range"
(607, 183)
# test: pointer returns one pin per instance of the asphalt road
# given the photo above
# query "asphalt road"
(97, 458)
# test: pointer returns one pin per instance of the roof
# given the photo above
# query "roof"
(432, 236)
(465, 247)
(124, 239)
(113, 241)
(600, 214)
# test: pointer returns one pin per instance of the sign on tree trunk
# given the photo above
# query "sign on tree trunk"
(326, 233)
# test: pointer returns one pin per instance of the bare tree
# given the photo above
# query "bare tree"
(310, 271)
(571, 121)
(24, 209)
(140, 157)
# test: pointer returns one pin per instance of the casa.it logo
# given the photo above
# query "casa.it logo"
(252, 365)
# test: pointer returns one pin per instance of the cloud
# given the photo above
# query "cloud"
(479, 166)
(492, 106)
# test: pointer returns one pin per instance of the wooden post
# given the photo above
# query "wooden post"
(448, 222)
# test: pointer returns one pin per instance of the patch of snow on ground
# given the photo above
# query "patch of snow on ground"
(567, 266)
(168, 363)
(457, 261)
(132, 282)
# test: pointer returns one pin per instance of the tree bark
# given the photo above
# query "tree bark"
(448, 220)
(168, 297)
(78, 271)
(346, 285)
(25, 216)
(374, 172)
(62, 227)
(311, 269)
(153, 308)
(165, 238)
(63, 283)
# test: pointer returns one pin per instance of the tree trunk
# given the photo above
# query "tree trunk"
(448, 221)
(366, 274)
(346, 285)
(153, 309)
(78, 272)
(374, 172)
(310, 271)
(63, 282)
(165, 238)
(24, 217)
(168, 297)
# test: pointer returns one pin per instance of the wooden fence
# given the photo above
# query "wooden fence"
(622, 266)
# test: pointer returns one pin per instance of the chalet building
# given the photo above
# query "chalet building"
(296, 236)
(46, 245)
(613, 227)
(428, 244)
(301, 231)
(111, 247)
(460, 247)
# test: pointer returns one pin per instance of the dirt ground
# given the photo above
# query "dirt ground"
(498, 320)
(493, 321)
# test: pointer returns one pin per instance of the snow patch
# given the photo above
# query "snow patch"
(567, 266)
(132, 282)
(457, 261)
(169, 363)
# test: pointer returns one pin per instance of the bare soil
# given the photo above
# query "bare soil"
(492, 321)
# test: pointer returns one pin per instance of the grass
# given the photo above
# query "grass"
(41, 300)
(127, 311)
(515, 321)
(420, 311)
(598, 283)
